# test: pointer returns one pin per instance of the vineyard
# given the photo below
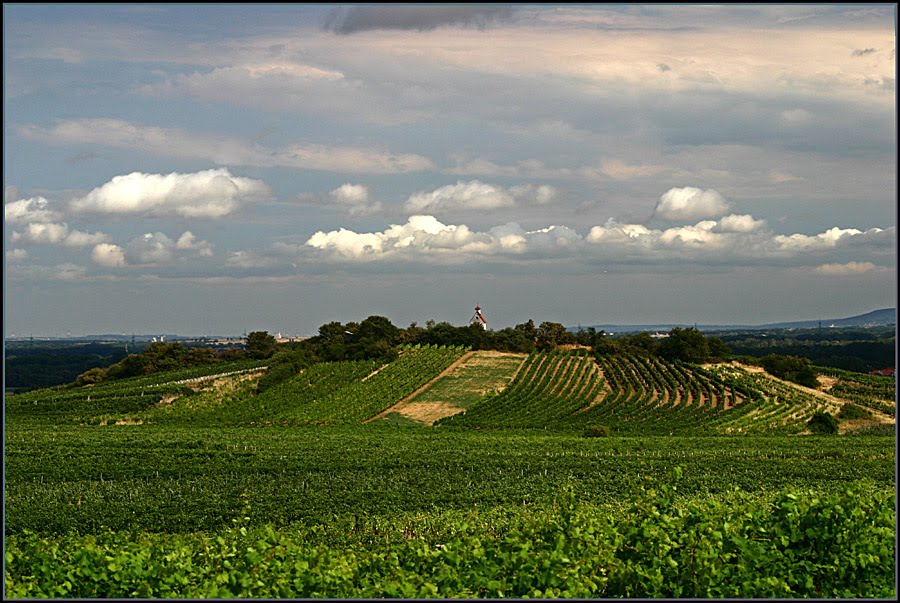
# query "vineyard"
(330, 483)
(631, 394)
(877, 392)
(116, 400)
(324, 394)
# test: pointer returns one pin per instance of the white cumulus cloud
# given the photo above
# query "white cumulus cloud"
(739, 223)
(77, 238)
(187, 241)
(425, 236)
(828, 239)
(355, 198)
(206, 194)
(52, 233)
(156, 248)
(29, 210)
(690, 203)
(43, 232)
(108, 255)
(151, 248)
(477, 195)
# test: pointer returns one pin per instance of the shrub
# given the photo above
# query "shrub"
(596, 431)
(91, 377)
(853, 411)
(823, 423)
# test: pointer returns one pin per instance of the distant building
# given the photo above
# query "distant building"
(889, 372)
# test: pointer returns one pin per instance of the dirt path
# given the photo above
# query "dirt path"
(375, 372)
(443, 373)
(216, 376)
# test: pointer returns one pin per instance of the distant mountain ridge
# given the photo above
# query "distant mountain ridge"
(876, 318)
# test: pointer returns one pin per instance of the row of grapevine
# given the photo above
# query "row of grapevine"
(632, 394)
(549, 387)
(89, 405)
(878, 392)
(360, 400)
(125, 396)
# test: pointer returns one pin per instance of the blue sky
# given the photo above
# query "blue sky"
(201, 169)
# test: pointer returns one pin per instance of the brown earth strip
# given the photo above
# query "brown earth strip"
(429, 412)
(605, 390)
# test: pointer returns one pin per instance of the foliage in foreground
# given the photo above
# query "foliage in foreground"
(798, 544)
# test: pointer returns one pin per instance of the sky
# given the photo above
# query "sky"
(219, 169)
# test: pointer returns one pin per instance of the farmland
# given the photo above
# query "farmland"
(191, 484)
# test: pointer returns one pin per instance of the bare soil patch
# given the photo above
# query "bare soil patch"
(826, 382)
(429, 412)
(168, 399)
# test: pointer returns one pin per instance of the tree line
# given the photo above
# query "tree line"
(377, 338)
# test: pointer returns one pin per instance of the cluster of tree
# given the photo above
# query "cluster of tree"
(157, 357)
(525, 337)
(686, 345)
(790, 368)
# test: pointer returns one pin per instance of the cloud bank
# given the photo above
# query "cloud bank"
(733, 239)
(224, 150)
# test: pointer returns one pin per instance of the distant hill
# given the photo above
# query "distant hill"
(876, 318)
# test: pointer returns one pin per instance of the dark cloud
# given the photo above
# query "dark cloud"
(862, 53)
(411, 17)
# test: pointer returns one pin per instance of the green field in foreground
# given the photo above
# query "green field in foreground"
(362, 511)
(178, 479)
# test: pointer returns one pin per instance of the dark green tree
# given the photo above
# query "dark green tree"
(552, 334)
(91, 376)
(686, 345)
(717, 348)
(528, 329)
(791, 368)
(261, 345)
(378, 328)
(332, 332)
(132, 365)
